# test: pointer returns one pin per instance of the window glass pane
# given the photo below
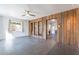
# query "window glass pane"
(15, 25)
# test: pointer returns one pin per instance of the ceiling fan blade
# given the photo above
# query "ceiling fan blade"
(25, 10)
(23, 15)
(32, 15)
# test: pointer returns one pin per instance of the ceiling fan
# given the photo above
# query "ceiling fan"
(28, 13)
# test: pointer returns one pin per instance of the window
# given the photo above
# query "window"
(15, 25)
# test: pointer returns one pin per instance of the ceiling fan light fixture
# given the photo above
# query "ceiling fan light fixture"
(27, 15)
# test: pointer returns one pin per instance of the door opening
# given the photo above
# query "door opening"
(52, 29)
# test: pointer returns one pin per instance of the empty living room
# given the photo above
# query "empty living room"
(39, 29)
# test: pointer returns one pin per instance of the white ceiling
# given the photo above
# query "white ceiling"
(17, 10)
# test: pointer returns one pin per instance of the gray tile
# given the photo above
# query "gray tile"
(26, 46)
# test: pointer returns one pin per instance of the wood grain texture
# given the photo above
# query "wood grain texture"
(68, 27)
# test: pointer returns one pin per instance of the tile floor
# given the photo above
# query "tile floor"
(25, 46)
(33, 46)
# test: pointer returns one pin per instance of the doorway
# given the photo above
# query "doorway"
(52, 29)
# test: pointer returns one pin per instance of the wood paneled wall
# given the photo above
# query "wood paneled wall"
(68, 27)
(34, 28)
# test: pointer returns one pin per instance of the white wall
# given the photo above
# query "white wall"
(1, 28)
(26, 27)
(5, 25)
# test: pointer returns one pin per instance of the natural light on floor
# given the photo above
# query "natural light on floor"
(9, 40)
